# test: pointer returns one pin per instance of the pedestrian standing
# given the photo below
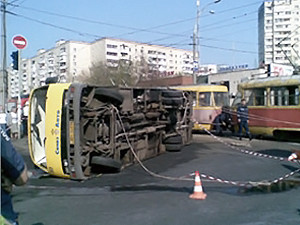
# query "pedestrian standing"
(243, 119)
(25, 117)
(13, 172)
(3, 120)
(13, 123)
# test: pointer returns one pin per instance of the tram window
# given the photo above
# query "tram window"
(204, 98)
(237, 99)
(297, 96)
(260, 95)
(284, 96)
(248, 95)
(221, 98)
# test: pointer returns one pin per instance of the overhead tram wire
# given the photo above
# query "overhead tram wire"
(229, 49)
(229, 25)
(104, 23)
(230, 19)
(189, 19)
(136, 30)
(54, 26)
(97, 36)
(93, 35)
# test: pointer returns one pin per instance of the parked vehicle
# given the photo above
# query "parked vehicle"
(274, 106)
(208, 101)
(78, 130)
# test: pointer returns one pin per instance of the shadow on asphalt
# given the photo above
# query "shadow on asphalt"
(151, 188)
(276, 152)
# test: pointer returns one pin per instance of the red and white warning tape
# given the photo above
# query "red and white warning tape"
(186, 178)
(250, 152)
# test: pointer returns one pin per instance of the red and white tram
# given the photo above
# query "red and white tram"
(274, 106)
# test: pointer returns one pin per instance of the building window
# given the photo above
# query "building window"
(111, 46)
(112, 53)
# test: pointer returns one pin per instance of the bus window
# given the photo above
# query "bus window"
(204, 98)
(194, 98)
(221, 98)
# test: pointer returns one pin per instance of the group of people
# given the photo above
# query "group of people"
(9, 121)
(224, 120)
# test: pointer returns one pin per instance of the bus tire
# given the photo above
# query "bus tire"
(171, 93)
(172, 101)
(109, 95)
(173, 147)
(173, 140)
(108, 163)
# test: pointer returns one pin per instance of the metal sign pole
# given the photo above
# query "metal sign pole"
(20, 93)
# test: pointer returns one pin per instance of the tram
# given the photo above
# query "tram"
(274, 106)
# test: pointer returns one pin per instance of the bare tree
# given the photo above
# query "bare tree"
(101, 74)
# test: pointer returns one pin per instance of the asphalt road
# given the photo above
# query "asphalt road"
(135, 197)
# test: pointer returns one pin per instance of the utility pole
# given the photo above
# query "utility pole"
(196, 45)
(3, 75)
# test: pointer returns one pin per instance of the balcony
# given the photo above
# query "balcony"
(62, 58)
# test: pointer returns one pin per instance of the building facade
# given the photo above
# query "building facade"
(69, 59)
(279, 32)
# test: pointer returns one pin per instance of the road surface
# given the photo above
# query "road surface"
(135, 197)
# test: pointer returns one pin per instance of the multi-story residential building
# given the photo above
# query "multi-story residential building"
(68, 59)
(165, 60)
(279, 32)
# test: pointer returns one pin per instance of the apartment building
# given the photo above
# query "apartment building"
(69, 59)
(165, 60)
(279, 32)
(65, 61)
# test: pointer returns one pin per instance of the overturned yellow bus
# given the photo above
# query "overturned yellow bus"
(77, 130)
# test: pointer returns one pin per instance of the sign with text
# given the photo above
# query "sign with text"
(276, 70)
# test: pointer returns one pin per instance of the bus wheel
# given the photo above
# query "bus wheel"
(172, 101)
(173, 147)
(173, 140)
(109, 95)
(103, 164)
(172, 93)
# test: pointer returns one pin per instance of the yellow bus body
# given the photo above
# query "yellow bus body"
(203, 116)
(54, 103)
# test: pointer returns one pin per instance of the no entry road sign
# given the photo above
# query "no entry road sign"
(20, 42)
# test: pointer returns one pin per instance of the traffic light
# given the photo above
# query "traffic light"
(15, 57)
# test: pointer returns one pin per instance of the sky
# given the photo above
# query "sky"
(227, 36)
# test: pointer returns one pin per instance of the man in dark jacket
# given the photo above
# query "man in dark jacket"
(13, 171)
(243, 120)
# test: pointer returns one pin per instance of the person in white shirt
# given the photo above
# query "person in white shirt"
(3, 122)
(13, 123)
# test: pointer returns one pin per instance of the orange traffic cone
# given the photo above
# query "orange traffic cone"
(198, 190)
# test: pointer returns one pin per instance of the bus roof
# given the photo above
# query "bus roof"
(271, 82)
(203, 88)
